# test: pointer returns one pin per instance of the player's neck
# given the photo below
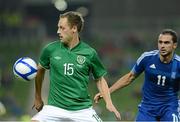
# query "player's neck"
(75, 41)
(166, 59)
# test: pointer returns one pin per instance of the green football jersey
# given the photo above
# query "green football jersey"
(69, 74)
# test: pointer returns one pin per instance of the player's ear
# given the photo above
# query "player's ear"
(74, 28)
(175, 45)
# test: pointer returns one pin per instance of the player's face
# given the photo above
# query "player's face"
(64, 31)
(166, 45)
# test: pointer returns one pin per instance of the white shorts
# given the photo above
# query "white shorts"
(54, 114)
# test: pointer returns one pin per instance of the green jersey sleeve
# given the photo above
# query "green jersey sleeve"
(45, 58)
(98, 69)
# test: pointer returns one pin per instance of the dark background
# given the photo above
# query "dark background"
(120, 30)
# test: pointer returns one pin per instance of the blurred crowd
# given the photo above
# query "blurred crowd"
(23, 31)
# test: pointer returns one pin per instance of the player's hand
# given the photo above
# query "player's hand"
(97, 97)
(38, 105)
(111, 108)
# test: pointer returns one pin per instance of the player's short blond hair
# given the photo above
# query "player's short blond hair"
(74, 19)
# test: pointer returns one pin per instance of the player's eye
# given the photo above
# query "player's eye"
(160, 42)
(61, 28)
(166, 42)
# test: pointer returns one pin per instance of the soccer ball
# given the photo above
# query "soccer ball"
(25, 68)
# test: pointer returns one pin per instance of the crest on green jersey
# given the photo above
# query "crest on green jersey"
(81, 59)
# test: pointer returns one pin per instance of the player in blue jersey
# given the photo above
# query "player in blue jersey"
(161, 83)
(179, 108)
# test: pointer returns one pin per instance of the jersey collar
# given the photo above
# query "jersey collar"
(66, 47)
(173, 57)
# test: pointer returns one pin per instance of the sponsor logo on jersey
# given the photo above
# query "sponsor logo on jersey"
(57, 57)
(152, 66)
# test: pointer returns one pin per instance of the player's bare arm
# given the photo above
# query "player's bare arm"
(104, 90)
(38, 102)
(123, 81)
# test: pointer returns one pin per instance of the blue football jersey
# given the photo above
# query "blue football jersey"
(161, 82)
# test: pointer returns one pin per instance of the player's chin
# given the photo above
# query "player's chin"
(64, 42)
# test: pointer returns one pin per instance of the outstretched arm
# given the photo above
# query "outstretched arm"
(123, 81)
(104, 91)
(38, 103)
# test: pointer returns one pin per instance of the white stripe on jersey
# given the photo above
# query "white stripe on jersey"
(177, 57)
(145, 54)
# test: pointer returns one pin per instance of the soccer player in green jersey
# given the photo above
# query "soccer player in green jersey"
(70, 62)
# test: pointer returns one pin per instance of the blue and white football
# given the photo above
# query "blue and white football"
(25, 68)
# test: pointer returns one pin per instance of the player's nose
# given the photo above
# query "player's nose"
(58, 31)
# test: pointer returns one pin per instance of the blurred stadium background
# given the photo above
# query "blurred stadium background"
(120, 30)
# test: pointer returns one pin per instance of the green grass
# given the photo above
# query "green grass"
(21, 91)
(18, 90)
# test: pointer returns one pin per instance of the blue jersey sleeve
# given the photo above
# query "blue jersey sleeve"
(139, 67)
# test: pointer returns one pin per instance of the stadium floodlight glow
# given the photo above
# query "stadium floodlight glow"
(83, 10)
(61, 5)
